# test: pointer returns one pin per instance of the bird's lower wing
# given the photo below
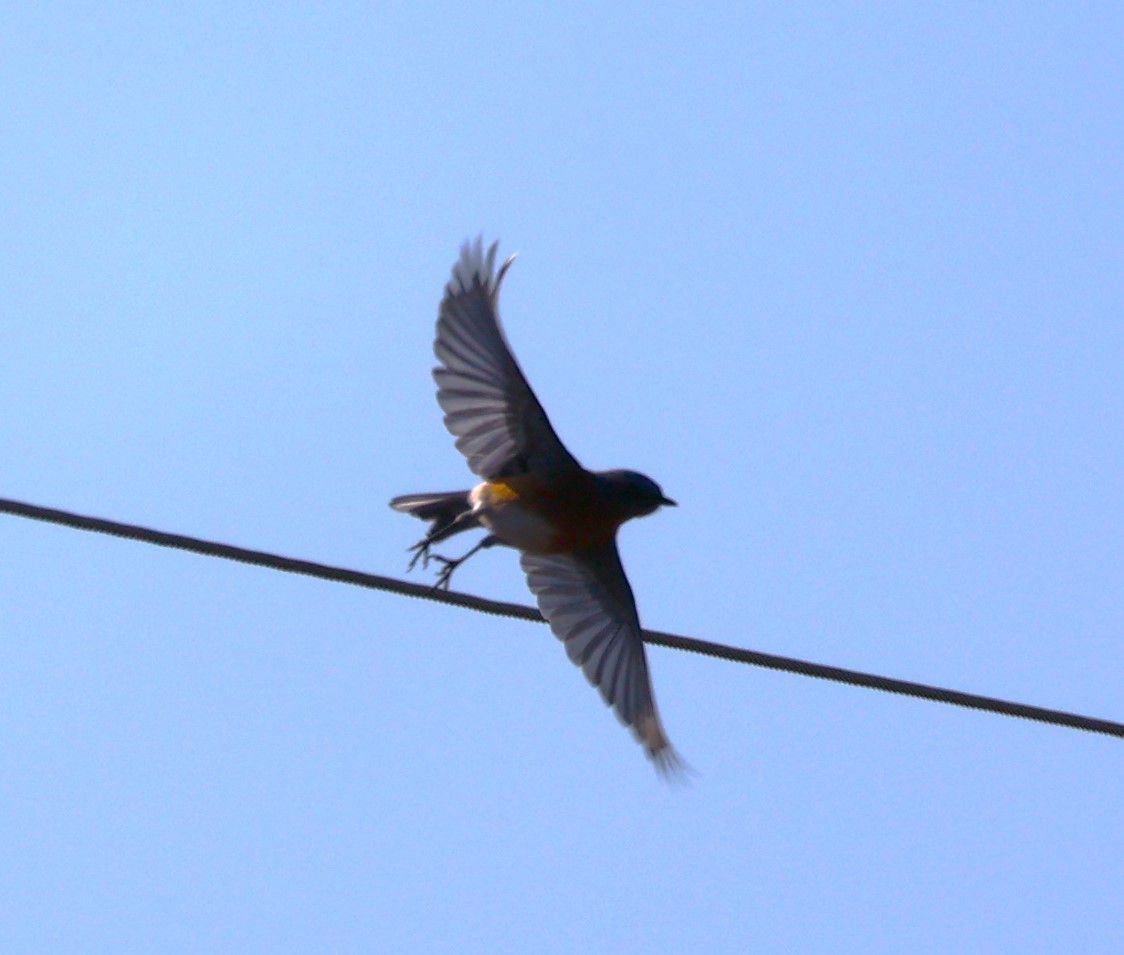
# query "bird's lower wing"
(587, 600)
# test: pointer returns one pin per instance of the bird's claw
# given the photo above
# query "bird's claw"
(448, 565)
(421, 553)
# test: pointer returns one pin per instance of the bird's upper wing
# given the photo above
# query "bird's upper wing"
(489, 407)
(587, 600)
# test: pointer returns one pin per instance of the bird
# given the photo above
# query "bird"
(535, 497)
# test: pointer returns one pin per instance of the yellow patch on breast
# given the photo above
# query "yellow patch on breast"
(500, 492)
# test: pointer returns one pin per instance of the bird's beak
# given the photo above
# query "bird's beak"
(668, 502)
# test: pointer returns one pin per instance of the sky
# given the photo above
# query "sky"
(846, 279)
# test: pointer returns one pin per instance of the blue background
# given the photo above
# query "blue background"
(846, 279)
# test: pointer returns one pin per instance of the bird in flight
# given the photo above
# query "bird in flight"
(535, 497)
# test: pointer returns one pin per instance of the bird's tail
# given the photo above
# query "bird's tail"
(448, 512)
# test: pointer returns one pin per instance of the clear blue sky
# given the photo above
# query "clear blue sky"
(846, 279)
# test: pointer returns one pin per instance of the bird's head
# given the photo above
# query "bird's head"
(637, 494)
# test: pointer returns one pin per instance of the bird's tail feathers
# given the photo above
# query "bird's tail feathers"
(441, 508)
(429, 506)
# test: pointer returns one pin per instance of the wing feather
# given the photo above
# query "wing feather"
(489, 408)
(587, 600)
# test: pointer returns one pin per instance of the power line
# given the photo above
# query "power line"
(519, 611)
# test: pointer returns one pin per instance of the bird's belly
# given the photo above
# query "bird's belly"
(518, 528)
(509, 520)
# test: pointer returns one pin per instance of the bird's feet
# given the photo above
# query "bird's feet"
(420, 551)
(448, 565)
(423, 555)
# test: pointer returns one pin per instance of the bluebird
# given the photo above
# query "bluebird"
(534, 496)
